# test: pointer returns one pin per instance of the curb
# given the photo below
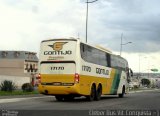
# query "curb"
(143, 91)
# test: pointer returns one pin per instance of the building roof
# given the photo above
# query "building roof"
(23, 55)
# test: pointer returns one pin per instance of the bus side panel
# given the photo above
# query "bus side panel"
(116, 81)
(113, 82)
(87, 81)
(123, 82)
(109, 85)
(109, 82)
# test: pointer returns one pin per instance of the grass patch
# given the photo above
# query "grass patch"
(17, 92)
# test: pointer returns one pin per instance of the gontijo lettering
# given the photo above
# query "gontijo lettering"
(102, 71)
(58, 52)
(58, 46)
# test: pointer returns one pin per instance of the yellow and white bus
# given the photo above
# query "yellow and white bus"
(70, 68)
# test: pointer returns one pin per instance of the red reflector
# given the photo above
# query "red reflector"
(76, 78)
(39, 78)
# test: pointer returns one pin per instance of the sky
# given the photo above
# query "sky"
(25, 23)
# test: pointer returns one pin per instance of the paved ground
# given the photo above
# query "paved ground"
(46, 105)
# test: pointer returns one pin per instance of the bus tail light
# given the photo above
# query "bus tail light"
(76, 78)
(39, 78)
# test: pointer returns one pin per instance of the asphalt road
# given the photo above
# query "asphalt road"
(149, 100)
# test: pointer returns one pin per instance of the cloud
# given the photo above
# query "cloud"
(37, 20)
(137, 21)
(26, 23)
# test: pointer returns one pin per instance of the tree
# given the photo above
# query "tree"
(154, 70)
(145, 82)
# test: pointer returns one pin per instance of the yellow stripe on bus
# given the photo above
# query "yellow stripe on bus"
(110, 81)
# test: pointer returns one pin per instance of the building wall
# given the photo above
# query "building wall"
(12, 63)
(12, 67)
(18, 81)
(18, 63)
(18, 66)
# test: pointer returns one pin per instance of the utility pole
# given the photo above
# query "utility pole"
(123, 44)
(87, 18)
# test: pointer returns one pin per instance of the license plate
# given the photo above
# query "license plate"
(57, 83)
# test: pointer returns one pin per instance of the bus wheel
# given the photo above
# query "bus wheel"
(59, 98)
(123, 92)
(91, 97)
(98, 93)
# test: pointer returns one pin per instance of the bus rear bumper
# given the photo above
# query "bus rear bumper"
(58, 90)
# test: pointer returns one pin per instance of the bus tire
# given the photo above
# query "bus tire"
(98, 93)
(91, 97)
(123, 92)
(59, 98)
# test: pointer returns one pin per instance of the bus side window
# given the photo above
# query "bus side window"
(83, 47)
(127, 72)
(83, 51)
(131, 72)
(108, 59)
